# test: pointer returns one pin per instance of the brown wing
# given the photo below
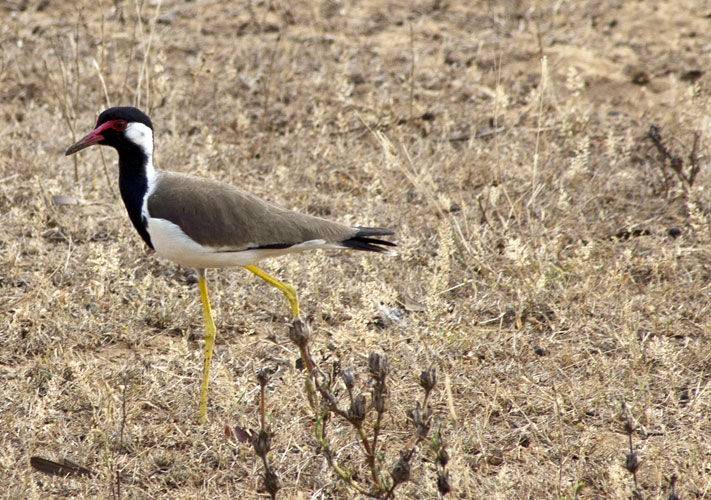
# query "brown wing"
(218, 215)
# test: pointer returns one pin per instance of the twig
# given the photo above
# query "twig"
(267, 81)
(144, 66)
(263, 439)
(131, 55)
(632, 461)
(694, 159)
(383, 483)
(412, 70)
(676, 163)
(62, 96)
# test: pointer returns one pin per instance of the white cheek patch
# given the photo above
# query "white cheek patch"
(140, 135)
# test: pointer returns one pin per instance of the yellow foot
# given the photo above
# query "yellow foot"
(287, 290)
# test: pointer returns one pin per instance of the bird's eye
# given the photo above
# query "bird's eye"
(119, 125)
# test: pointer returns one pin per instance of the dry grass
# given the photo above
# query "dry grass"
(538, 270)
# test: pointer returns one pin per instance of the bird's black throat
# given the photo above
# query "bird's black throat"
(133, 184)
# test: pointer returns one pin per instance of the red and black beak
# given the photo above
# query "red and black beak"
(90, 139)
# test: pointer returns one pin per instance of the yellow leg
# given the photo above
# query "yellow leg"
(285, 289)
(210, 333)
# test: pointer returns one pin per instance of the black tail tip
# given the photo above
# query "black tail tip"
(363, 240)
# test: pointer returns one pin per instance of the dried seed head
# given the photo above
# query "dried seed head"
(420, 419)
(442, 456)
(262, 443)
(356, 413)
(300, 332)
(349, 378)
(443, 482)
(271, 482)
(672, 486)
(629, 426)
(263, 376)
(378, 366)
(628, 423)
(428, 379)
(401, 470)
(632, 462)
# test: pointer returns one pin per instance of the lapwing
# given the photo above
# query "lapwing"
(202, 223)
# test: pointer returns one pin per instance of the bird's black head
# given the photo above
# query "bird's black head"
(121, 128)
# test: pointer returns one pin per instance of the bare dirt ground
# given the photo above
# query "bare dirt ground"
(553, 264)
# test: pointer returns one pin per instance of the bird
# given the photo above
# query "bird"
(204, 224)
